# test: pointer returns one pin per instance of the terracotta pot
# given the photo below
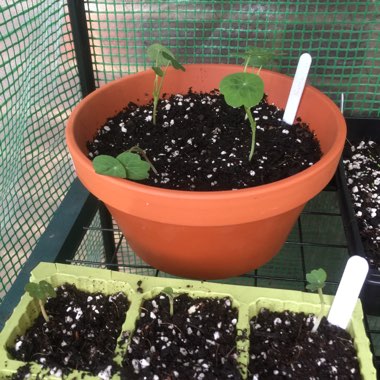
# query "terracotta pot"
(205, 235)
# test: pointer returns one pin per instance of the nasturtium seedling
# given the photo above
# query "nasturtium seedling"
(126, 165)
(246, 89)
(172, 60)
(108, 165)
(168, 290)
(155, 51)
(257, 57)
(136, 168)
(316, 279)
(316, 282)
(242, 89)
(161, 56)
(170, 293)
(41, 292)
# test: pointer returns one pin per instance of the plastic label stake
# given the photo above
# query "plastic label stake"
(296, 90)
(348, 291)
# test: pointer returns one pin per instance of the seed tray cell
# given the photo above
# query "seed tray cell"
(248, 300)
(359, 129)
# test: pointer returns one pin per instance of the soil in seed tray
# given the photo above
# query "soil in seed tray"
(362, 167)
(22, 373)
(282, 346)
(200, 143)
(81, 333)
(197, 342)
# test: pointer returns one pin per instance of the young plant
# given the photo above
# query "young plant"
(316, 281)
(170, 293)
(247, 89)
(126, 165)
(257, 57)
(41, 292)
(162, 57)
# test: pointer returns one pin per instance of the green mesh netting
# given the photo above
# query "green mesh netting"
(342, 36)
(39, 86)
(91, 247)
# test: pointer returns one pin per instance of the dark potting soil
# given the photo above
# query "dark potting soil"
(362, 167)
(197, 342)
(282, 346)
(81, 333)
(22, 373)
(200, 143)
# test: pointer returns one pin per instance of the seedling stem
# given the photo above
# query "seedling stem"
(43, 311)
(161, 57)
(126, 165)
(253, 129)
(316, 281)
(157, 86)
(320, 315)
(137, 149)
(41, 292)
(169, 292)
(247, 89)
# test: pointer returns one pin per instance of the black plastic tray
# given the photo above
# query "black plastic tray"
(358, 129)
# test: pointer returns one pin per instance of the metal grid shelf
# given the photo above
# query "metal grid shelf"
(317, 240)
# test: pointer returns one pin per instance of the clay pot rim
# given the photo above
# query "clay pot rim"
(292, 181)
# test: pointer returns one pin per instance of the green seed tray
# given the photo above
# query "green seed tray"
(249, 300)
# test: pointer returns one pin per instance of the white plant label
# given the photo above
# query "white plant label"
(348, 291)
(296, 90)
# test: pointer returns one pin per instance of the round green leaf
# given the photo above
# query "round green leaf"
(155, 54)
(47, 288)
(316, 279)
(168, 290)
(108, 165)
(312, 287)
(242, 89)
(32, 289)
(135, 167)
(40, 291)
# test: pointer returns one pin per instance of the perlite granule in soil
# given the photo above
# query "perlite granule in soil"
(197, 342)
(282, 346)
(200, 143)
(362, 168)
(81, 333)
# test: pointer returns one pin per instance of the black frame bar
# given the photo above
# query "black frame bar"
(82, 48)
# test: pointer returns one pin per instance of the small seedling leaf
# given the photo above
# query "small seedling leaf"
(168, 290)
(316, 279)
(177, 65)
(155, 54)
(158, 71)
(242, 89)
(39, 294)
(258, 56)
(173, 61)
(108, 165)
(47, 288)
(135, 167)
(32, 288)
(40, 291)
